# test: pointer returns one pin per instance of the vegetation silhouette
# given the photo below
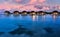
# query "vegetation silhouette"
(21, 30)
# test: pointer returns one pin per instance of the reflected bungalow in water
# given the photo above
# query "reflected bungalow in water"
(24, 13)
(41, 13)
(33, 17)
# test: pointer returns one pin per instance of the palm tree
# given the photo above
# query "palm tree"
(48, 12)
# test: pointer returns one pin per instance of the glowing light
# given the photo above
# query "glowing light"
(54, 17)
(55, 13)
(34, 17)
(43, 18)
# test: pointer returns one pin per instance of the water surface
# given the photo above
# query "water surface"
(34, 23)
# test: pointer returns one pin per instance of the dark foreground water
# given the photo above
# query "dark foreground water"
(29, 26)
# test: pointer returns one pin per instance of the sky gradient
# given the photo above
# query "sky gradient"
(29, 5)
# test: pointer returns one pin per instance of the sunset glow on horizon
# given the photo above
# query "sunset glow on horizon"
(29, 5)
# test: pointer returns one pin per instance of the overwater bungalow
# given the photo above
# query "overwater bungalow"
(16, 12)
(41, 13)
(32, 13)
(24, 13)
(55, 13)
(7, 13)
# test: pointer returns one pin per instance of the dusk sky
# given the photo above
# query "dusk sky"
(27, 5)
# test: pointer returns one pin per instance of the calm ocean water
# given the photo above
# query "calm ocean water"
(43, 26)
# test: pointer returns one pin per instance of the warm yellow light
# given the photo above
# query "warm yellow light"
(34, 17)
(55, 13)
(25, 13)
(33, 13)
(54, 17)
(42, 13)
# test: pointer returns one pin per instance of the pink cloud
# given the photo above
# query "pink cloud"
(36, 1)
(28, 7)
(17, 0)
(32, 1)
(31, 7)
(41, 1)
(8, 6)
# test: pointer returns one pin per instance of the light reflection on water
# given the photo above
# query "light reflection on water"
(35, 22)
(11, 20)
